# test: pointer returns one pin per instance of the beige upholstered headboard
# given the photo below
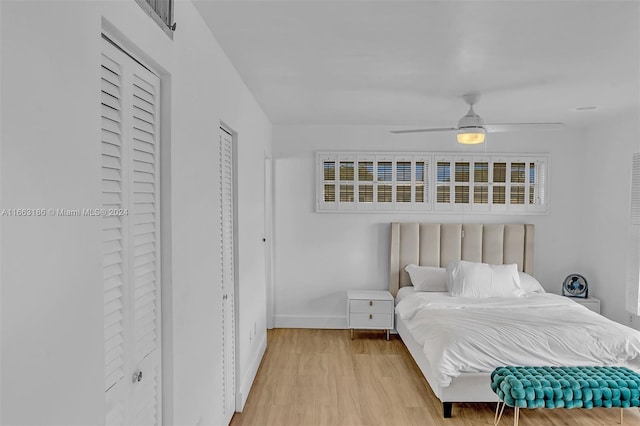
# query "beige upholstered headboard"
(438, 244)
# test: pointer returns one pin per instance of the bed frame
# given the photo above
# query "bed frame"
(435, 244)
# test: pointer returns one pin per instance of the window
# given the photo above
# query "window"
(401, 181)
(161, 11)
(372, 181)
(502, 183)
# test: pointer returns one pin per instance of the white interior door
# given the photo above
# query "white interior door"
(131, 239)
(632, 303)
(268, 235)
(228, 275)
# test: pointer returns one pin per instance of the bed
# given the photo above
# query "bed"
(428, 322)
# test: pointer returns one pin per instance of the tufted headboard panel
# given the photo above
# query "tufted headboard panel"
(438, 244)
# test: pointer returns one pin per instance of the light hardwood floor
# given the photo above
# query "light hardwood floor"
(322, 377)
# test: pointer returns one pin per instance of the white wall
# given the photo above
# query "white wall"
(319, 256)
(51, 308)
(608, 151)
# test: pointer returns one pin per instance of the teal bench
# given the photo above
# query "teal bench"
(565, 387)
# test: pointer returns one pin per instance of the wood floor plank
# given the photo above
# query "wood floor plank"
(323, 378)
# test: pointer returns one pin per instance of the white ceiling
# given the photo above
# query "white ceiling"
(408, 63)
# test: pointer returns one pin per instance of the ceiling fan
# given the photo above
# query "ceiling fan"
(471, 129)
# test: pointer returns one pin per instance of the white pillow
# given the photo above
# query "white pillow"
(427, 278)
(481, 280)
(530, 284)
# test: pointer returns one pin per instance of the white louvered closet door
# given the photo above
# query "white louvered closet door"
(227, 272)
(131, 240)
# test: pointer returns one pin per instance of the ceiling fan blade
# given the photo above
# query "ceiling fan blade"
(437, 129)
(515, 127)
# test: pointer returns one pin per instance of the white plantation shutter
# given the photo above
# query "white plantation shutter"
(536, 198)
(542, 182)
(145, 213)
(144, 236)
(327, 180)
(115, 299)
(633, 262)
(423, 182)
(227, 273)
(480, 190)
(131, 270)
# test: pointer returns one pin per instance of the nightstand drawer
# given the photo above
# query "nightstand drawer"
(371, 306)
(377, 321)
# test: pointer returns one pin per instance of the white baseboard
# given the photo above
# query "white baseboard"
(245, 387)
(307, 321)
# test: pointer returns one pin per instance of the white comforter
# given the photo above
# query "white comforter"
(469, 335)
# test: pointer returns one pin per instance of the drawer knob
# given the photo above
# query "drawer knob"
(370, 302)
(370, 316)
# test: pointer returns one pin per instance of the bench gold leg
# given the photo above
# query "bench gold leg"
(621, 415)
(516, 416)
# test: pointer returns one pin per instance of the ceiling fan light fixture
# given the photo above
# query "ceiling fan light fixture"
(471, 135)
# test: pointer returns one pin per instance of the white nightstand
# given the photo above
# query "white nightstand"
(369, 310)
(590, 302)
